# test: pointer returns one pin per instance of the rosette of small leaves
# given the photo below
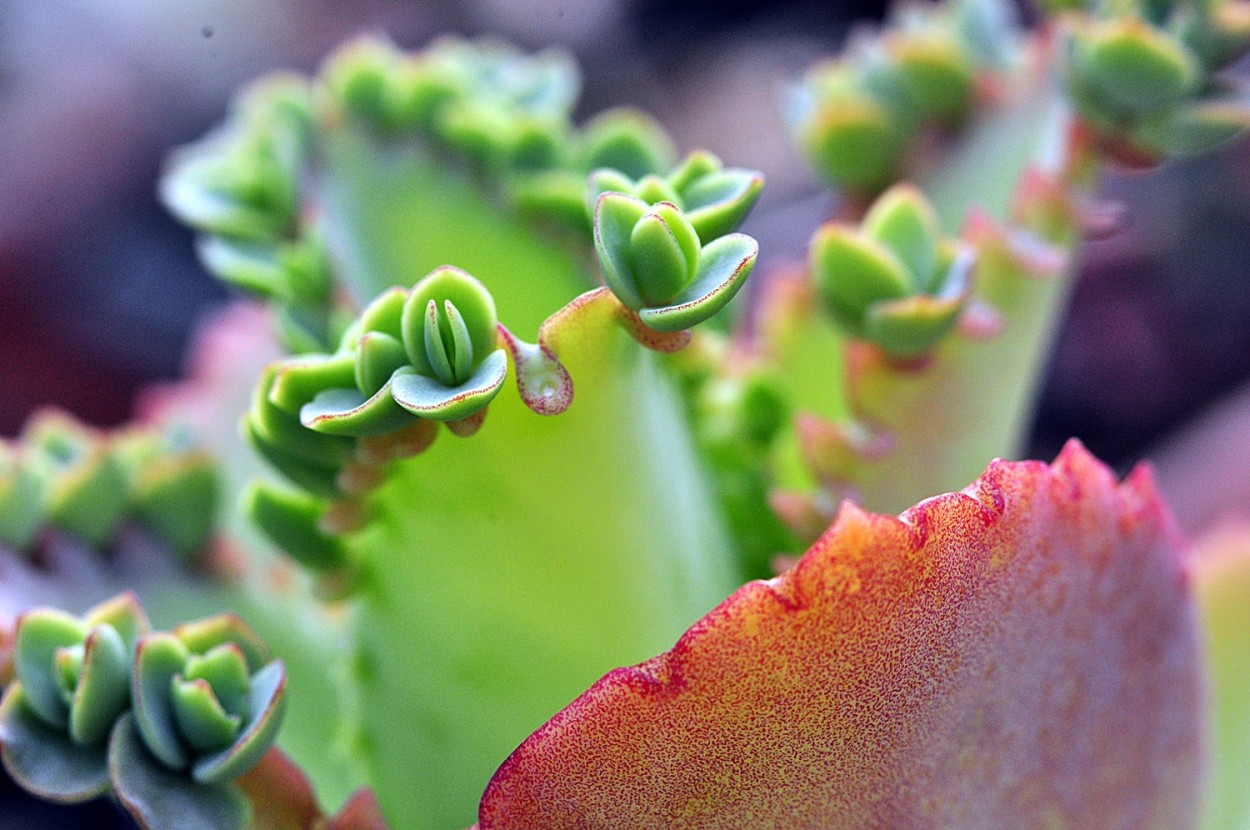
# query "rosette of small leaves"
(242, 187)
(654, 260)
(207, 703)
(427, 354)
(72, 683)
(1142, 74)
(482, 101)
(63, 475)
(714, 199)
(506, 114)
(856, 117)
(894, 281)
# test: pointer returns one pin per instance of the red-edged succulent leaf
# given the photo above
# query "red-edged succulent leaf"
(1020, 654)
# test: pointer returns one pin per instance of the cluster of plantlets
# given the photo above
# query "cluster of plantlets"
(61, 476)
(662, 448)
(167, 721)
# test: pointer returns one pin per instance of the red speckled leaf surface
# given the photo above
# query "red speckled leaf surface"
(1019, 655)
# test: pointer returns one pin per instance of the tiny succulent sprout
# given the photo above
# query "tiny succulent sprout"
(85, 487)
(430, 352)
(654, 263)
(72, 684)
(1142, 76)
(207, 704)
(894, 281)
(714, 199)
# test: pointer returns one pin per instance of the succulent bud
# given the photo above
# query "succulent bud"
(72, 683)
(207, 698)
(714, 199)
(653, 262)
(1141, 75)
(894, 281)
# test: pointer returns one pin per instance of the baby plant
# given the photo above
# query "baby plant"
(436, 242)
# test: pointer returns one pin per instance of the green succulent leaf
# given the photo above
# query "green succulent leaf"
(162, 799)
(378, 355)
(124, 614)
(429, 398)
(628, 141)
(291, 520)
(904, 222)
(664, 253)
(42, 758)
(40, 635)
(266, 703)
(21, 500)
(718, 202)
(430, 339)
(179, 502)
(348, 412)
(202, 636)
(202, 721)
(1136, 69)
(724, 266)
(616, 215)
(159, 659)
(102, 691)
(297, 382)
(320, 478)
(852, 272)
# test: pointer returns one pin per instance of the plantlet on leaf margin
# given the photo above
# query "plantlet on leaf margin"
(894, 281)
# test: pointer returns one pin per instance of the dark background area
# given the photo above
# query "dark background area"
(100, 291)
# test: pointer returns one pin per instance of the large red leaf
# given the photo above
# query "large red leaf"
(1019, 655)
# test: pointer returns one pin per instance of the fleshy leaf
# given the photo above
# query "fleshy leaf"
(724, 267)
(159, 658)
(265, 705)
(290, 519)
(348, 412)
(40, 634)
(428, 398)
(43, 759)
(161, 799)
(1022, 653)
(103, 687)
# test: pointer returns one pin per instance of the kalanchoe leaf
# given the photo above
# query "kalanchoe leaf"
(628, 141)
(291, 520)
(178, 499)
(162, 799)
(40, 635)
(43, 759)
(204, 635)
(348, 412)
(1132, 68)
(202, 721)
(429, 398)
(266, 703)
(297, 381)
(159, 659)
(616, 214)
(315, 478)
(724, 266)
(1036, 630)
(477, 314)
(664, 254)
(102, 690)
(894, 283)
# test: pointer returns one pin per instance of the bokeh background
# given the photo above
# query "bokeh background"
(100, 291)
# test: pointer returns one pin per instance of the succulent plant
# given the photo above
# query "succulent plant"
(894, 281)
(72, 683)
(1065, 661)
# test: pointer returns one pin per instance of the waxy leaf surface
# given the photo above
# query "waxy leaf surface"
(1021, 654)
